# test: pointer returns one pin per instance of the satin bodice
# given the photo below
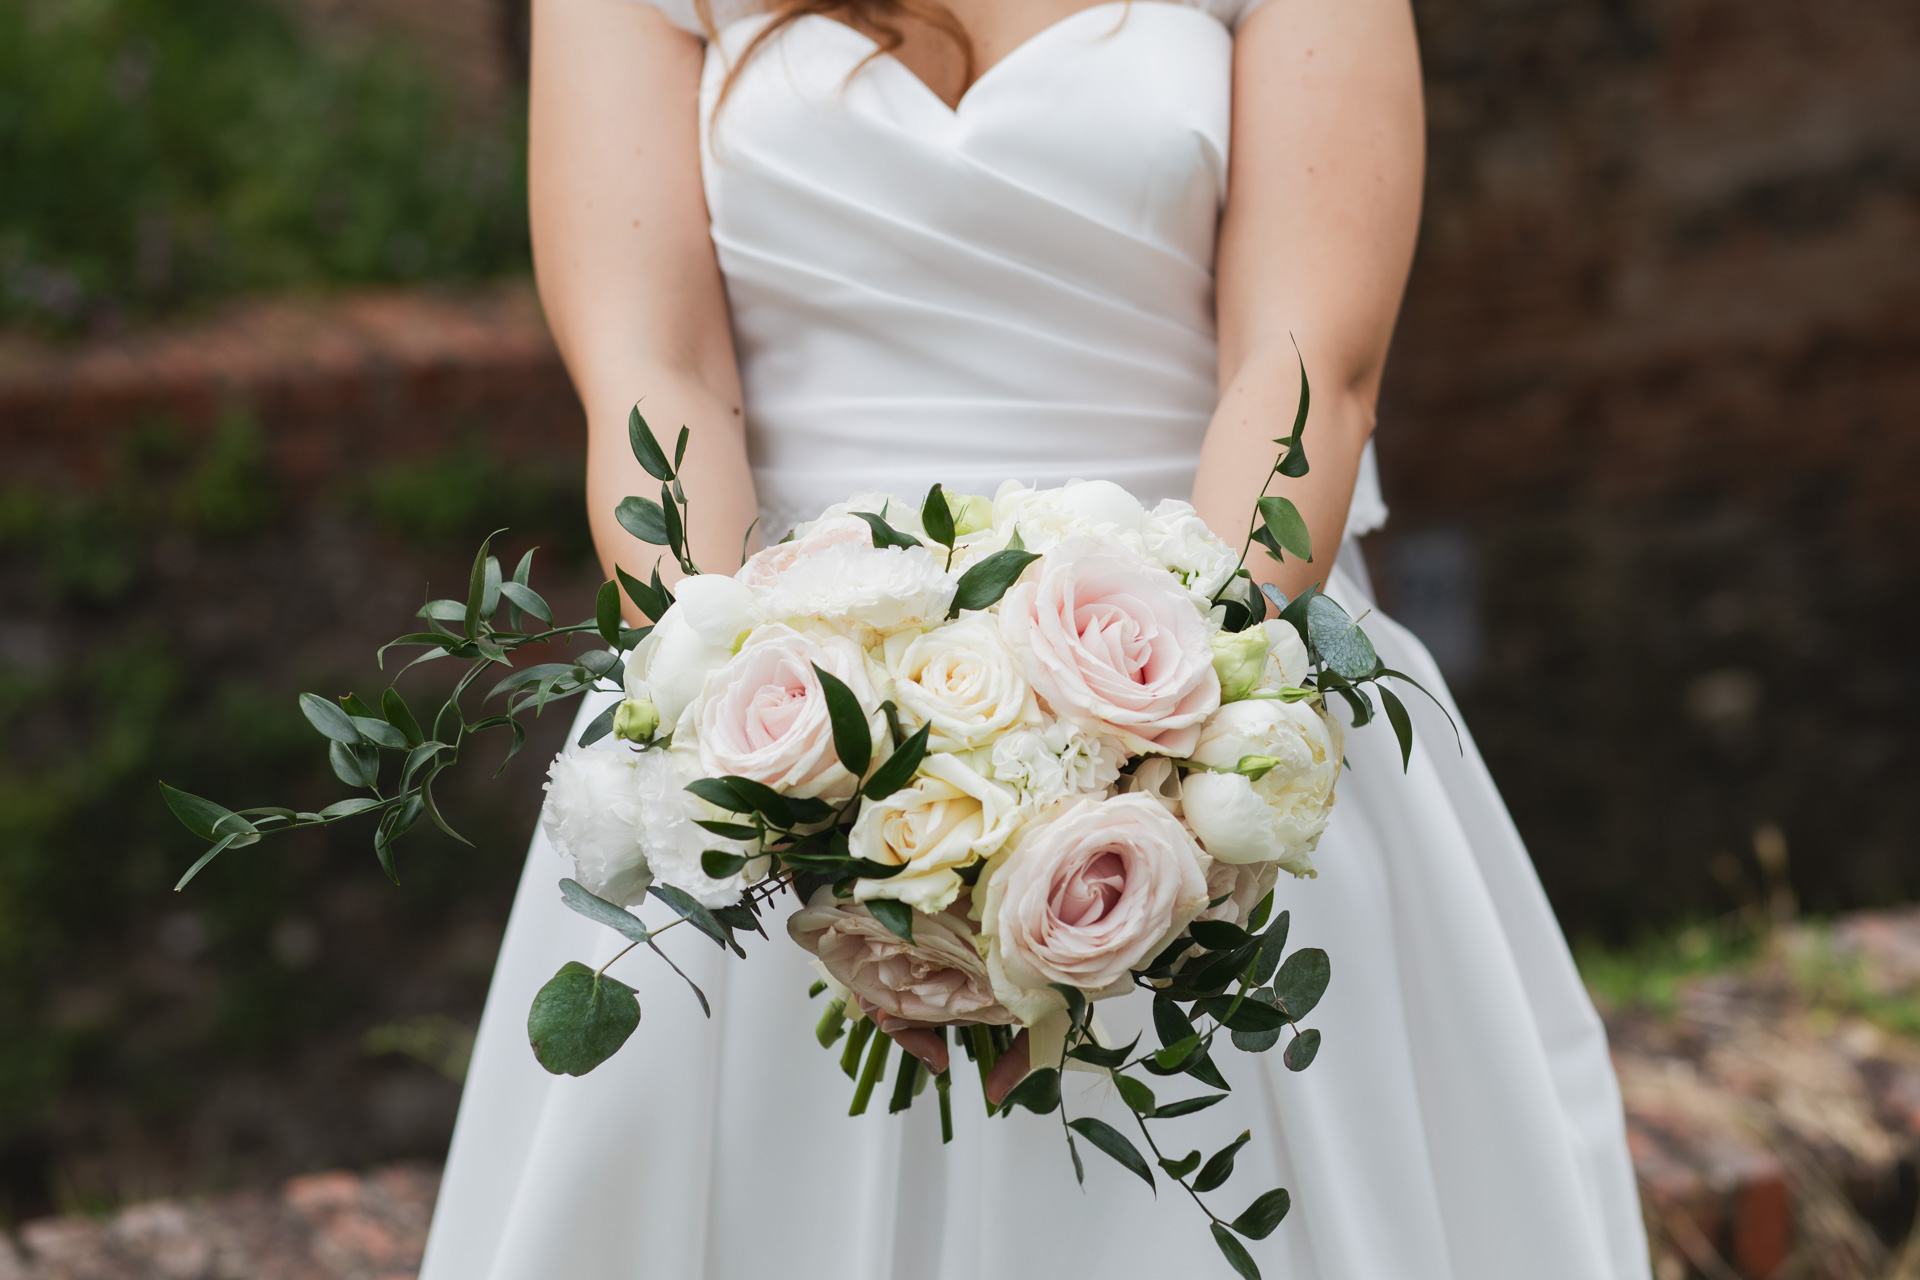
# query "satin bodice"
(1017, 287)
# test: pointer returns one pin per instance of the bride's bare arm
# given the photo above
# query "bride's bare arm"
(1323, 204)
(626, 266)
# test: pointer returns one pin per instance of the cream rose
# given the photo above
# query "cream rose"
(938, 977)
(1114, 645)
(763, 715)
(1277, 817)
(960, 679)
(948, 817)
(1084, 897)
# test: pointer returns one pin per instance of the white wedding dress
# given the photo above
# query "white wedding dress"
(1022, 287)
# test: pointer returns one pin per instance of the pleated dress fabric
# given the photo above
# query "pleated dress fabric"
(1022, 287)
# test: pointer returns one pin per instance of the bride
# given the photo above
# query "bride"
(874, 244)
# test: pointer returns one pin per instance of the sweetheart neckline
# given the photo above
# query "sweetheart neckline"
(1037, 39)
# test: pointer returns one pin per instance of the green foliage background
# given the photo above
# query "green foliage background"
(161, 151)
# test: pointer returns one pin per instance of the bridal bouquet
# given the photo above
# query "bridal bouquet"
(997, 758)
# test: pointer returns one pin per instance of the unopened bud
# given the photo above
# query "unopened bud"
(1240, 660)
(635, 720)
(971, 513)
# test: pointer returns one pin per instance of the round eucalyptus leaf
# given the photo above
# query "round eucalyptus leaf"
(579, 1019)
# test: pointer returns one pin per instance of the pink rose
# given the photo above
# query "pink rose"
(938, 977)
(1087, 896)
(1114, 645)
(763, 569)
(763, 715)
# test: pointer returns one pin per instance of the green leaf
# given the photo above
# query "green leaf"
(1101, 1056)
(1339, 640)
(774, 807)
(1076, 1007)
(1302, 1049)
(355, 766)
(897, 772)
(477, 580)
(527, 599)
(1294, 612)
(1114, 1143)
(852, 741)
(676, 536)
(644, 519)
(1236, 1253)
(1264, 1214)
(441, 611)
(728, 830)
(936, 517)
(695, 914)
(646, 449)
(400, 716)
(1219, 935)
(1293, 464)
(1402, 726)
(1251, 1015)
(606, 613)
(719, 793)
(650, 602)
(680, 448)
(1273, 943)
(1261, 911)
(329, 719)
(490, 594)
(380, 733)
(349, 807)
(355, 708)
(580, 1019)
(1135, 1094)
(1176, 1053)
(219, 846)
(394, 824)
(982, 586)
(1169, 1022)
(1219, 1166)
(1180, 1168)
(579, 898)
(896, 915)
(884, 534)
(599, 727)
(1285, 526)
(204, 818)
(720, 864)
(1258, 1041)
(1200, 1067)
(1302, 980)
(1187, 1106)
(1038, 1093)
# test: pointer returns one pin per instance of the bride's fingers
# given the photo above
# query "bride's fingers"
(1009, 1071)
(923, 1044)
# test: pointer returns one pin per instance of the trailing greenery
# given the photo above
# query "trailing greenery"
(160, 151)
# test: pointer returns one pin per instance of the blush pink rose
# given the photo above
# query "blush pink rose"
(1086, 896)
(763, 569)
(763, 715)
(938, 977)
(1114, 645)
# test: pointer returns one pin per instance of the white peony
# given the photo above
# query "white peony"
(902, 513)
(1279, 816)
(962, 680)
(710, 614)
(1054, 761)
(834, 574)
(1045, 518)
(592, 816)
(947, 818)
(673, 844)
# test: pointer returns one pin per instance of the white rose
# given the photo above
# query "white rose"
(696, 636)
(1174, 537)
(1046, 517)
(948, 817)
(592, 816)
(1053, 762)
(673, 843)
(962, 680)
(1279, 816)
